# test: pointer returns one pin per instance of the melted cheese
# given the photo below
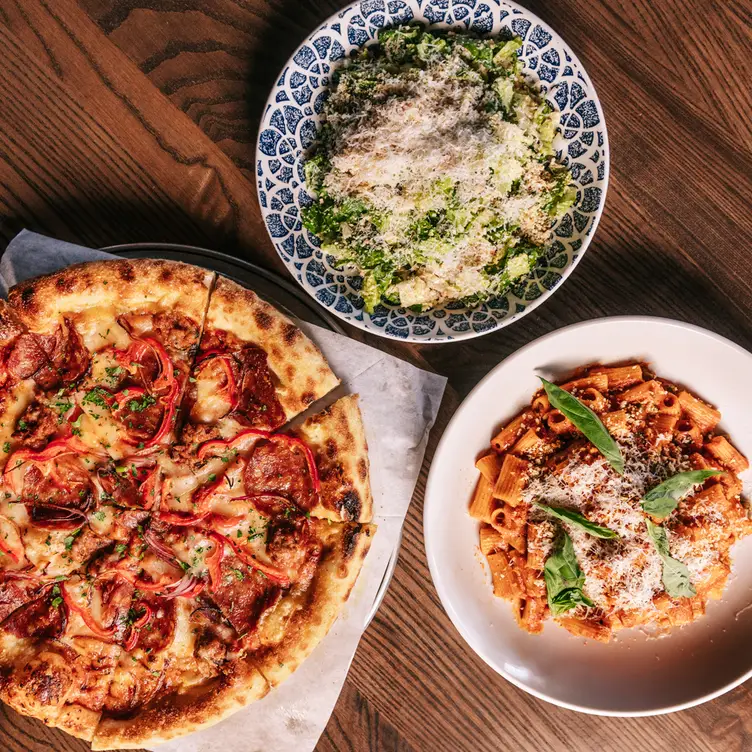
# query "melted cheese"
(18, 399)
(622, 574)
(100, 430)
(98, 328)
(184, 642)
(210, 404)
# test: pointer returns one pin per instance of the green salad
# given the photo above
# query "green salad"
(434, 174)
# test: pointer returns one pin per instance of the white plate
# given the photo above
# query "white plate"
(634, 674)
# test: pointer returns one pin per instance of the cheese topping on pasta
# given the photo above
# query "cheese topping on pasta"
(567, 534)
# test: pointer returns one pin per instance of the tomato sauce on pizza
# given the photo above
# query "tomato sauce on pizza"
(162, 535)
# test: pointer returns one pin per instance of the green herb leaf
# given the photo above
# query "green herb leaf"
(138, 406)
(675, 573)
(564, 579)
(663, 499)
(587, 421)
(99, 397)
(579, 520)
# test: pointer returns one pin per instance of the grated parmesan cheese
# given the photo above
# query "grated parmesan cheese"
(438, 181)
(621, 574)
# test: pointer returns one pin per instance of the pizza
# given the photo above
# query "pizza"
(170, 549)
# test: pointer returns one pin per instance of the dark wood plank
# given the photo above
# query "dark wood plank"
(124, 120)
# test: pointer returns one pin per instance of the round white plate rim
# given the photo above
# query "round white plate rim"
(588, 239)
(431, 554)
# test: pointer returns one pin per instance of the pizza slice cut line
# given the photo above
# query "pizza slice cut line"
(131, 538)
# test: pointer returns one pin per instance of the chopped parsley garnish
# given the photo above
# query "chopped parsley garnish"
(212, 477)
(99, 397)
(138, 406)
(76, 426)
(23, 425)
(120, 548)
(6, 447)
(69, 539)
(62, 406)
(113, 372)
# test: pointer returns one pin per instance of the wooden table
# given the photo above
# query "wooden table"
(135, 120)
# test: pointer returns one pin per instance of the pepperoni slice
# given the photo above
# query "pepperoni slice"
(66, 351)
(289, 545)
(159, 632)
(44, 617)
(119, 488)
(27, 357)
(36, 426)
(61, 482)
(243, 594)
(139, 412)
(257, 400)
(15, 592)
(280, 469)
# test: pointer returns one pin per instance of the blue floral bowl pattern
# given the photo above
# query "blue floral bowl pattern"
(289, 128)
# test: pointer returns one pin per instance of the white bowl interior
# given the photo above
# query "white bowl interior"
(634, 674)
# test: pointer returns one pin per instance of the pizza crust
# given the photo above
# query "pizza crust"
(289, 641)
(303, 374)
(60, 690)
(337, 439)
(180, 714)
(122, 285)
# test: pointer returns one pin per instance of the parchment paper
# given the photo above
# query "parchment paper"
(399, 404)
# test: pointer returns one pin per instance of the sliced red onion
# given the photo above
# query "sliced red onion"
(185, 584)
(56, 517)
(159, 548)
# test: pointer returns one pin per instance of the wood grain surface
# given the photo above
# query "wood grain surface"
(136, 120)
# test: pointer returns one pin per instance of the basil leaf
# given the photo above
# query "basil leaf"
(587, 421)
(564, 579)
(577, 519)
(663, 499)
(675, 574)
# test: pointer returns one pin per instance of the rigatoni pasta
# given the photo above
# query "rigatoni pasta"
(567, 535)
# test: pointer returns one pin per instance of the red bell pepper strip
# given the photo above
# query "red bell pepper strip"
(168, 417)
(165, 381)
(135, 628)
(150, 488)
(166, 375)
(99, 631)
(214, 559)
(55, 449)
(13, 547)
(223, 446)
(226, 361)
(273, 573)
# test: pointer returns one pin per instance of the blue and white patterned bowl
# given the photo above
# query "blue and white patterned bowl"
(293, 114)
